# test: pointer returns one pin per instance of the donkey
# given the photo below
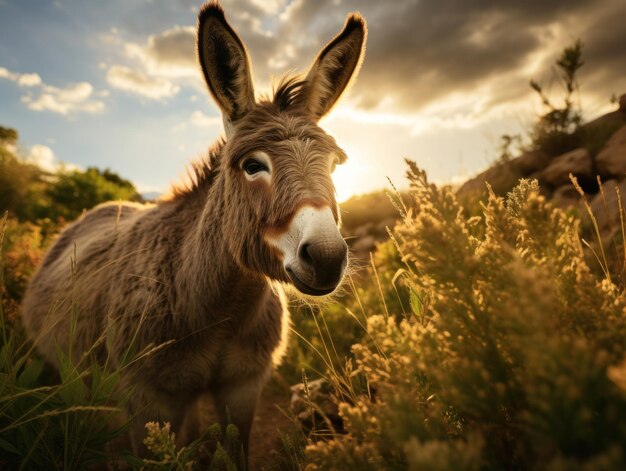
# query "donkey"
(203, 272)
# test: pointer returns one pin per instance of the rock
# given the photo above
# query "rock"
(364, 245)
(312, 409)
(381, 228)
(609, 221)
(502, 177)
(530, 162)
(622, 103)
(577, 162)
(364, 230)
(566, 197)
(612, 158)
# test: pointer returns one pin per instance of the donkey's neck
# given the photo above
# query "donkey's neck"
(213, 287)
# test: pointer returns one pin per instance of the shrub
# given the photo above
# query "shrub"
(48, 422)
(512, 358)
(22, 247)
(558, 129)
(21, 186)
(73, 192)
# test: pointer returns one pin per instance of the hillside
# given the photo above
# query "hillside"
(595, 153)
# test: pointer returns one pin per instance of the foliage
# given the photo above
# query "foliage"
(21, 186)
(557, 130)
(73, 192)
(512, 357)
(509, 145)
(31, 194)
(8, 136)
(22, 248)
(161, 442)
(47, 422)
(374, 210)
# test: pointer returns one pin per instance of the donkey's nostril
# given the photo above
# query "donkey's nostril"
(304, 255)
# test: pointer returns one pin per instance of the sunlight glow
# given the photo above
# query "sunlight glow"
(346, 180)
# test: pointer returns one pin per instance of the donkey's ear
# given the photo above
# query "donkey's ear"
(224, 62)
(335, 66)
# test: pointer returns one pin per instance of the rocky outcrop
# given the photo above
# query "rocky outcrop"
(577, 162)
(605, 206)
(599, 156)
(501, 178)
(530, 162)
(601, 151)
(612, 158)
(566, 196)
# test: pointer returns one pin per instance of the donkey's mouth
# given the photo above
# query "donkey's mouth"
(306, 289)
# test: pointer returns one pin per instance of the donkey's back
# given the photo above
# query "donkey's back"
(75, 273)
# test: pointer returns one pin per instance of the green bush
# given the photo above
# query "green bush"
(513, 358)
(21, 186)
(70, 193)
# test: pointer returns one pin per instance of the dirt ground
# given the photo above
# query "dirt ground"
(270, 419)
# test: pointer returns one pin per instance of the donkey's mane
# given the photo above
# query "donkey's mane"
(289, 92)
(201, 173)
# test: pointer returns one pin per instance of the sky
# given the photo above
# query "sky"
(115, 83)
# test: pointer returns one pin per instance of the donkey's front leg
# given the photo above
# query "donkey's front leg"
(236, 404)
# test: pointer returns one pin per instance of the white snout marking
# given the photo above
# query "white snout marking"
(309, 223)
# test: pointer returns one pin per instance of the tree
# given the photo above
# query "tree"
(77, 190)
(21, 184)
(8, 135)
(557, 130)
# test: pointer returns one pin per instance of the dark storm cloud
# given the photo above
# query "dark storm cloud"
(422, 51)
(419, 51)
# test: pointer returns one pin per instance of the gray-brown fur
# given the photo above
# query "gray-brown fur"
(195, 270)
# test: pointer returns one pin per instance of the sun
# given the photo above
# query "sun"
(346, 181)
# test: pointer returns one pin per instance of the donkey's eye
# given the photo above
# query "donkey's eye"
(252, 166)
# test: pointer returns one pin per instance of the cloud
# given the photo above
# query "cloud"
(74, 98)
(199, 119)
(23, 80)
(29, 80)
(133, 81)
(171, 53)
(159, 67)
(173, 48)
(43, 157)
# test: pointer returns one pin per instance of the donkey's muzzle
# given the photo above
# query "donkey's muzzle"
(320, 265)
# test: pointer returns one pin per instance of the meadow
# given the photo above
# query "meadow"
(469, 342)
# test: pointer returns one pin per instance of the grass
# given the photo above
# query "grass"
(65, 419)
